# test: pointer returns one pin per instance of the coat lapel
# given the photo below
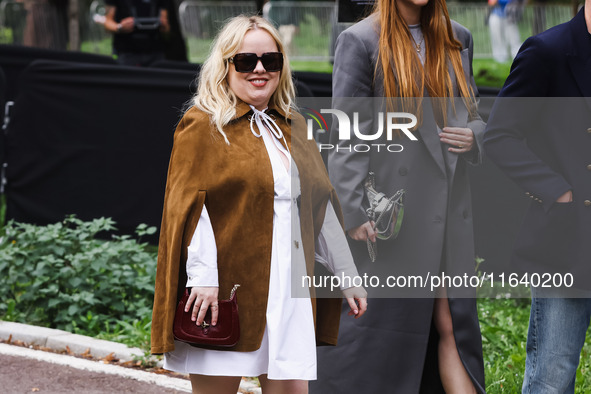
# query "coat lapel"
(459, 118)
(429, 135)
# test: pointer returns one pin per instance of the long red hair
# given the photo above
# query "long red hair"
(409, 77)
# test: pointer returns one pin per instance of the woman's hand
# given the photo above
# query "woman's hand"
(204, 297)
(357, 299)
(363, 232)
(461, 139)
(127, 25)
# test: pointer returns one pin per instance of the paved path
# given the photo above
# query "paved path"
(26, 370)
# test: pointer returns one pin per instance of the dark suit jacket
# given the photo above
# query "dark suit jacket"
(539, 134)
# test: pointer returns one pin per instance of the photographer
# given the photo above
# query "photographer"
(138, 26)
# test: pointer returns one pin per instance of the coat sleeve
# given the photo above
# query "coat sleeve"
(332, 249)
(352, 77)
(475, 122)
(510, 126)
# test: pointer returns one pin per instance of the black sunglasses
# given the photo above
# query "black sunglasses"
(247, 62)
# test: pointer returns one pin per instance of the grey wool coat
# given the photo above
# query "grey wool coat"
(392, 349)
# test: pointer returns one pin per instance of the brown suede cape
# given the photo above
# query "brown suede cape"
(235, 182)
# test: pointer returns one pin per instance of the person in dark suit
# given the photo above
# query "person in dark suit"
(417, 342)
(139, 27)
(543, 144)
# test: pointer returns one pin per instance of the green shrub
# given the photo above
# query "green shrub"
(62, 276)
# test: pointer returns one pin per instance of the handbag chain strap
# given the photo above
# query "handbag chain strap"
(372, 249)
(234, 290)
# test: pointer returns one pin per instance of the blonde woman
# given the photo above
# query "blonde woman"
(231, 213)
(410, 49)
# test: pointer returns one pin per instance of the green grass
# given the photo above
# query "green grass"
(318, 67)
(103, 47)
(504, 332)
(504, 323)
(489, 73)
(2, 210)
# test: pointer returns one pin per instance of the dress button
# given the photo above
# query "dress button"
(587, 203)
(403, 171)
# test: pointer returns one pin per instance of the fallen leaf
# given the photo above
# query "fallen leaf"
(109, 357)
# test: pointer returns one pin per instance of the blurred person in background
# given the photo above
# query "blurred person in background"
(138, 27)
(504, 32)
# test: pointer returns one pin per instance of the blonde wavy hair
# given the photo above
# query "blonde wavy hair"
(214, 95)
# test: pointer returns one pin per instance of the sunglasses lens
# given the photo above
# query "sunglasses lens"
(245, 62)
(272, 61)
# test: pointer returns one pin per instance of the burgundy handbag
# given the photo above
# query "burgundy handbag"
(224, 334)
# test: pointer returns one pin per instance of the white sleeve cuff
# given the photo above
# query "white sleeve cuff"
(203, 277)
(202, 269)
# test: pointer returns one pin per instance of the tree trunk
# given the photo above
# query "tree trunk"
(260, 4)
(74, 25)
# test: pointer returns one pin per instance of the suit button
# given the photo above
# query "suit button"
(589, 167)
(403, 171)
(465, 214)
(589, 130)
(437, 219)
(296, 244)
(587, 203)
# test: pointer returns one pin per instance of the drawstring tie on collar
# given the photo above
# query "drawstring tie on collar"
(264, 121)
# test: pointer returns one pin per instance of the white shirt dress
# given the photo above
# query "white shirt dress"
(288, 348)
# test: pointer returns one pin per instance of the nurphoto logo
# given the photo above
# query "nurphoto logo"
(392, 123)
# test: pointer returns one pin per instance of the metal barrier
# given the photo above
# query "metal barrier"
(43, 24)
(99, 40)
(37, 23)
(12, 22)
(309, 29)
(201, 20)
(535, 20)
(306, 28)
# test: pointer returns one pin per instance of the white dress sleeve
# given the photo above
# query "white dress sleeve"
(202, 263)
(332, 249)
